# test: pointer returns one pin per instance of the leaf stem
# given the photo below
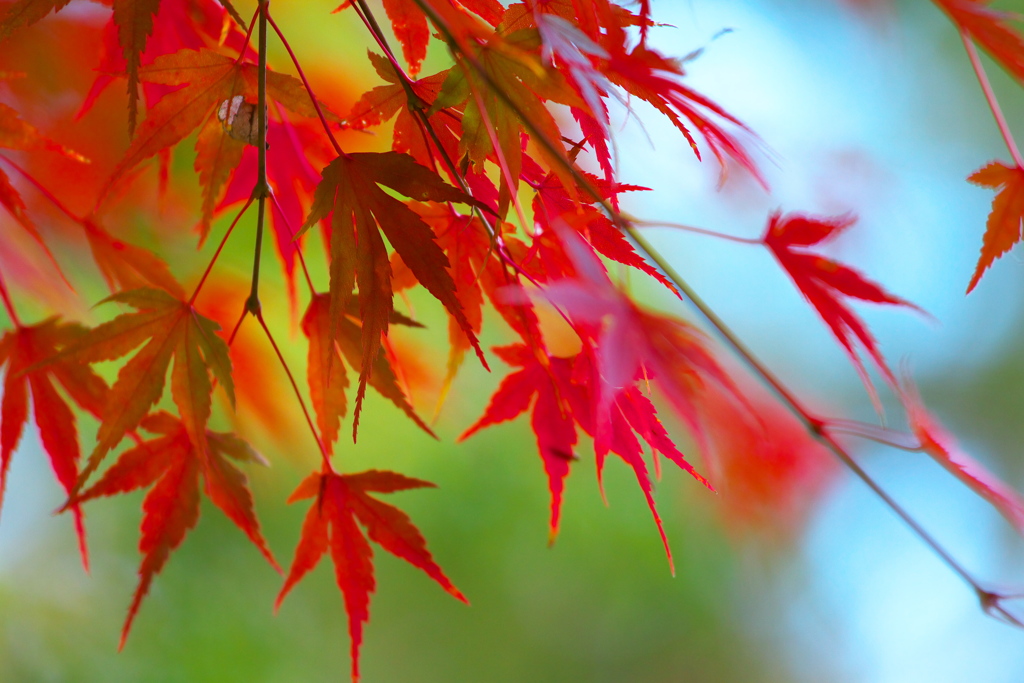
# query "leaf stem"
(698, 231)
(887, 437)
(216, 254)
(990, 96)
(8, 304)
(248, 36)
(309, 88)
(298, 251)
(298, 394)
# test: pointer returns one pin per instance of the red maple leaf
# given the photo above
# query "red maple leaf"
(768, 470)
(823, 281)
(172, 464)
(551, 420)
(331, 526)
(352, 193)
(1004, 223)
(937, 443)
(992, 29)
(206, 80)
(567, 394)
(478, 269)
(629, 342)
(22, 350)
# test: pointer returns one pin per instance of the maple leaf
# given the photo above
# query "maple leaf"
(989, 27)
(166, 328)
(937, 443)
(551, 420)
(331, 525)
(1004, 223)
(134, 20)
(20, 135)
(351, 193)
(768, 469)
(491, 124)
(326, 371)
(21, 350)
(629, 341)
(568, 394)
(127, 266)
(172, 463)
(477, 269)
(823, 281)
(384, 101)
(27, 12)
(650, 76)
(553, 203)
(209, 79)
(410, 27)
(177, 24)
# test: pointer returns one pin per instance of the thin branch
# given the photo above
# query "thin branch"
(814, 426)
(249, 34)
(216, 254)
(697, 231)
(298, 395)
(990, 96)
(309, 88)
(883, 435)
(298, 250)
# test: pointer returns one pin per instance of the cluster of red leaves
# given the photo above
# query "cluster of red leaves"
(480, 201)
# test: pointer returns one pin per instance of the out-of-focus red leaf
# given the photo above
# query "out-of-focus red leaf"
(134, 21)
(768, 470)
(991, 28)
(22, 350)
(937, 443)
(823, 282)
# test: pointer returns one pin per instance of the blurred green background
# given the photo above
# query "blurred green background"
(874, 111)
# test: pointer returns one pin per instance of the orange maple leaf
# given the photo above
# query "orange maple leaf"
(1004, 223)
(169, 328)
(992, 29)
(209, 79)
